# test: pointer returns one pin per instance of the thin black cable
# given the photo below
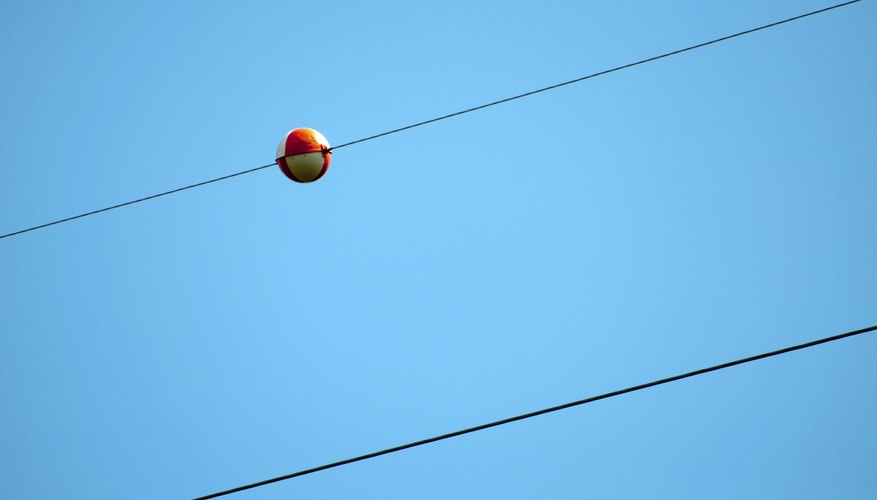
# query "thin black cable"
(601, 73)
(120, 205)
(458, 113)
(544, 411)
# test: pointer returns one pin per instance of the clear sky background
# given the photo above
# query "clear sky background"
(694, 210)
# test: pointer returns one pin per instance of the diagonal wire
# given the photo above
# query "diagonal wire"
(543, 411)
(601, 73)
(120, 205)
(458, 113)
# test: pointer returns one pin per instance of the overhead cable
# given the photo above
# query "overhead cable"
(120, 205)
(542, 412)
(458, 113)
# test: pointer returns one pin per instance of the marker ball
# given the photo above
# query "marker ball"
(304, 155)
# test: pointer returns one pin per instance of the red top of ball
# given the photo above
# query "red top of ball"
(302, 140)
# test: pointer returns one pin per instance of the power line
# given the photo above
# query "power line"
(543, 411)
(120, 205)
(458, 113)
(601, 73)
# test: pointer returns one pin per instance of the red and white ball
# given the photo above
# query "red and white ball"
(304, 155)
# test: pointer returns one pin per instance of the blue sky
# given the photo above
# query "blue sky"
(676, 215)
